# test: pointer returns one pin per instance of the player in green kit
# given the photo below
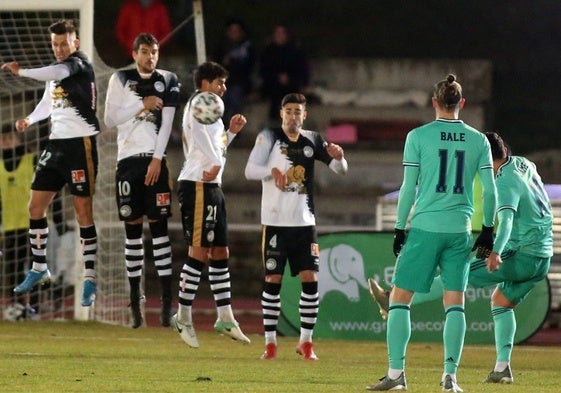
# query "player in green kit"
(521, 253)
(440, 162)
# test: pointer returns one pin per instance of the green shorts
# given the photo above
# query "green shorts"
(425, 252)
(516, 277)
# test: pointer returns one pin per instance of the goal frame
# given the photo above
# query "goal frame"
(84, 7)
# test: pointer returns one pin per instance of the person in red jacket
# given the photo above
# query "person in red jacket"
(141, 16)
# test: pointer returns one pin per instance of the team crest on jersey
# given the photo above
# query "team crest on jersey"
(125, 210)
(308, 151)
(159, 87)
(162, 199)
(271, 264)
(210, 236)
(78, 176)
(314, 249)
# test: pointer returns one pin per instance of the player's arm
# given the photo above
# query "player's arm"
(154, 168)
(121, 104)
(405, 203)
(53, 72)
(407, 193)
(237, 123)
(484, 242)
(338, 164)
(257, 167)
(41, 111)
(504, 229)
(489, 196)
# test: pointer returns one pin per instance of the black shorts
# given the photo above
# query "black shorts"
(298, 245)
(71, 161)
(134, 198)
(203, 214)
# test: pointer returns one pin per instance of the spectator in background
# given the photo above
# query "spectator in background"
(237, 55)
(141, 16)
(284, 69)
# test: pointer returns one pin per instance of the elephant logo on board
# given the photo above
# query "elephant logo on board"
(341, 268)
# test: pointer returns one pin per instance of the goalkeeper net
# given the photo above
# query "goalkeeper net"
(24, 38)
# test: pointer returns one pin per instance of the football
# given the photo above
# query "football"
(207, 107)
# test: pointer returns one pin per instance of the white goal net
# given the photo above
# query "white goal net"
(24, 38)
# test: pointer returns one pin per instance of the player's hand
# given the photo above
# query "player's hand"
(484, 243)
(11, 66)
(211, 174)
(152, 103)
(398, 241)
(22, 124)
(237, 122)
(153, 172)
(493, 262)
(280, 178)
(334, 151)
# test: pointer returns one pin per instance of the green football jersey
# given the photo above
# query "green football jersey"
(448, 154)
(520, 188)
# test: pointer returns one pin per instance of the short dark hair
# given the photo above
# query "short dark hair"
(63, 26)
(498, 150)
(448, 92)
(293, 98)
(209, 70)
(146, 39)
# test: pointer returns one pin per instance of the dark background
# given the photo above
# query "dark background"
(520, 37)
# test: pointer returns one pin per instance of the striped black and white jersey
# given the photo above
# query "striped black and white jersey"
(70, 101)
(141, 130)
(294, 205)
(204, 146)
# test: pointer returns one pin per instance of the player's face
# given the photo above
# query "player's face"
(293, 115)
(217, 86)
(63, 45)
(146, 58)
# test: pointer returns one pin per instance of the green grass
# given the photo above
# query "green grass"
(92, 357)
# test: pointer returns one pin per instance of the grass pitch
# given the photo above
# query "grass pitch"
(93, 357)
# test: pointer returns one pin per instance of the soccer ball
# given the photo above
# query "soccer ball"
(207, 107)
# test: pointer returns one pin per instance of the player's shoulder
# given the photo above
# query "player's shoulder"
(313, 136)
(124, 75)
(168, 75)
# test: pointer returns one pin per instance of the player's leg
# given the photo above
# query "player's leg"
(273, 255)
(38, 235)
(454, 270)
(219, 278)
(134, 260)
(158, 210)
(414, 272)
(523, 272)
(190, 194)
(162, 260)
(88, 238)
(79, 167)
(303, 257)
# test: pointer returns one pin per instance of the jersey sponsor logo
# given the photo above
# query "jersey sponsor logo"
(308, 151)
(78, 176)
(159, 86)
(163, 199)
(271, 264)
(125, 210)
